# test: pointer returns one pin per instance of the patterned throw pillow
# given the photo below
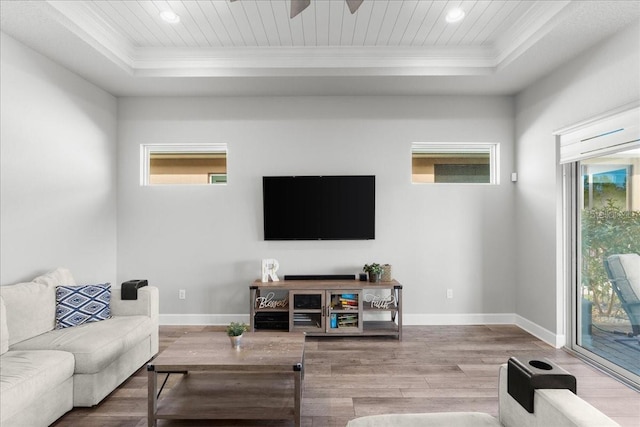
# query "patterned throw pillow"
(76, 305)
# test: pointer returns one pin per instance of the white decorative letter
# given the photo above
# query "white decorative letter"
(269, 268)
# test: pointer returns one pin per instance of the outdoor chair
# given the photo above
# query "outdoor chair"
(623, 271)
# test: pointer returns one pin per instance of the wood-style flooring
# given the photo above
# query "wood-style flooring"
(433, 369)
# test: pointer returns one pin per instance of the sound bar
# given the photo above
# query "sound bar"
(319, 277)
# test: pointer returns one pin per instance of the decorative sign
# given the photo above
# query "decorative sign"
(268, 301)
(383, 302)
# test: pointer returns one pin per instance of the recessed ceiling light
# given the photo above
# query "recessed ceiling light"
(170, 16)
(455, 15)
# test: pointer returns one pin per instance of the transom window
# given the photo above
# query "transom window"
(184, 164)
(466, 163)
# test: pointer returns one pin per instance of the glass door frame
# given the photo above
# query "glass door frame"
(572, 265)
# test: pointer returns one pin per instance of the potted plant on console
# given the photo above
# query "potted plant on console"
(235, 331)
(374, 271)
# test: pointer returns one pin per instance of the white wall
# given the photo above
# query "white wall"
(496, 251)
(605, 77)
(208, 240)
(58, 182)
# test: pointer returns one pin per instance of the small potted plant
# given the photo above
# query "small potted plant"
(374, 271)
(235, 331)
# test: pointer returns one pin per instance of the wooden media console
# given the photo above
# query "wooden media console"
(327, 307)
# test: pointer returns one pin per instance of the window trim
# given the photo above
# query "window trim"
(493, 148)
(611, 132)
(147, 149)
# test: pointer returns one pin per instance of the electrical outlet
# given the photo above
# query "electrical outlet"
(182, 294)
(449, 293)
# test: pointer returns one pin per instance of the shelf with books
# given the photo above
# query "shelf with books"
(345, 311)
(345, 301)
(344, 321)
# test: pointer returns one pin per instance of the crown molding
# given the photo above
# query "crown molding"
(93, 30)
(306, 61)
(528, 30)
(251, 61)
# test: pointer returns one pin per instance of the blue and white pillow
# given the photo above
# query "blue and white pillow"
(76, 305)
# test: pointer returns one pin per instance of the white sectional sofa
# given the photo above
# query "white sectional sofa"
(552, 408)
(44, 371)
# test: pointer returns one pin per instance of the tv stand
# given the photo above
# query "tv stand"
(327, 307)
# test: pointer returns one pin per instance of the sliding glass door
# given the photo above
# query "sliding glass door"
(604, 220)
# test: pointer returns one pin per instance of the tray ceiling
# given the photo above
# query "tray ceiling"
(248, 47)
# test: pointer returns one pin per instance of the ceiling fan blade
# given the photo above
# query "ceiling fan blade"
(354, 5)
(298, 6)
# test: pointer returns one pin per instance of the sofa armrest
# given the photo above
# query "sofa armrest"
(147, 303)
(552, 407)
(435, 419)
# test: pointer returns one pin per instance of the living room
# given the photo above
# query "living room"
(71, 193)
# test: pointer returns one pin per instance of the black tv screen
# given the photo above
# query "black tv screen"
(319, 207)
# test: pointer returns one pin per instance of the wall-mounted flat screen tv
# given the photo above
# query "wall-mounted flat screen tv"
(319, 207)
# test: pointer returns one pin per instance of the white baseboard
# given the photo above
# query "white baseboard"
(534, 329)
(202, 319)
(459, 319)
(555, 340)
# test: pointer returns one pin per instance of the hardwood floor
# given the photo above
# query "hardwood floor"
(434, 369)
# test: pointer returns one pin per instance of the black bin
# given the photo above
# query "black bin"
(524, 376)
(129, 290)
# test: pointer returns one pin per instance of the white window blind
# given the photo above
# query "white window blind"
(607, 134)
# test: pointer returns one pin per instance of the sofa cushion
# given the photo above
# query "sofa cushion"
(76, 305)
(38, 298)
(57, 277)
(30, 310)
(94, 345)
(4, 331)
(26, 375)
(436, 419)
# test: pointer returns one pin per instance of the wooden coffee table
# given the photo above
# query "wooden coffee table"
(260, 380)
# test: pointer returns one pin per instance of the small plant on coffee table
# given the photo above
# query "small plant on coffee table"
(235, 329)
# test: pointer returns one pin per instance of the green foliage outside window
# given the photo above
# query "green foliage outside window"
(606, 231)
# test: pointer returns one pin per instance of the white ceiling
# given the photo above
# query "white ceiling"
(252, 47)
